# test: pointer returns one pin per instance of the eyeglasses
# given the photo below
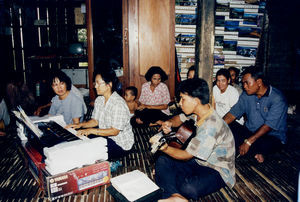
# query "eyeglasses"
(99, 83)
(58, 84)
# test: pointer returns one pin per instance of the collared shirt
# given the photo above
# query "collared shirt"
(70, 107)
(114, 114)
(213, 146)
(159, 96)
(270, 109)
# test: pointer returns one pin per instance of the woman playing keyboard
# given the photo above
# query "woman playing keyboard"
(111, 116)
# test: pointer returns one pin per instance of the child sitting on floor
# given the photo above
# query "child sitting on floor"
(130, 98)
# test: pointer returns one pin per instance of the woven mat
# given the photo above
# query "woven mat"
(273, 180)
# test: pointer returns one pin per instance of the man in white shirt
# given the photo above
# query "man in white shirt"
(225, 95)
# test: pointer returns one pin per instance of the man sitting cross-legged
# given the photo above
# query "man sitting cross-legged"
(266, 111)
(207, 164)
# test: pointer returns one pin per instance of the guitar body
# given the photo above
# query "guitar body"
(183, 135)
(179, 139)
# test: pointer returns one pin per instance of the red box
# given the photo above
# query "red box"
(67, 183)
(33, 160)
(74, 181)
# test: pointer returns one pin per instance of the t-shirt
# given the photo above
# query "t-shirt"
(114, 114)
(70, 107)
(78, 93)
(224, 101)
(214, 147)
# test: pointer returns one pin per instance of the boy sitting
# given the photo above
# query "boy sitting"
(130, 98)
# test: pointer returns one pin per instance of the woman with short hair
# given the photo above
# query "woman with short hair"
(65, 102)
(154, 99)
(111, 116)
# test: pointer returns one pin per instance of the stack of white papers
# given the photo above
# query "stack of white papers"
(75, 154)
(134, 185)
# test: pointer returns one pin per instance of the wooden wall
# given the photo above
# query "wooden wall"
(148, 39)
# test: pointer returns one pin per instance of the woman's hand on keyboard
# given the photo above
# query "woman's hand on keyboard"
(86, 132)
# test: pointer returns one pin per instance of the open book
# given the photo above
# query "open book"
(134, 185)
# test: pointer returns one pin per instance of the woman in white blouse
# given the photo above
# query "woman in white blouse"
(110, 114)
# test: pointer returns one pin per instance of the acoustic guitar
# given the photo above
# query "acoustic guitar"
(179, 139)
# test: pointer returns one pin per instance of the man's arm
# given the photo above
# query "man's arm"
(89, 124)
(264, 129)
(176, 121)
(40, 108)
(176, 153)
(159, 107)
(173, 122)
(100, 132)
(76, 120)
(229, 118)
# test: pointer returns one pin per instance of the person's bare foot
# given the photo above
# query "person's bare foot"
(139, 121)
(174, 198)
(159, 122)
(260, 158)
(153, 171)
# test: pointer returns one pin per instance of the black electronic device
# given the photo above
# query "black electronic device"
(52, 134)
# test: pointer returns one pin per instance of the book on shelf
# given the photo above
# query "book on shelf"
(237, 57)
(251, 10)
(185, 39)
(236, 13)
(230, 45)
(231, 37)
(253, 6)
(246, 51)
(253, 44)
(218, 13)
(229, 52)
(185, 19)
(222, 1)
(253, 32)
(186, 2)
(218, 59)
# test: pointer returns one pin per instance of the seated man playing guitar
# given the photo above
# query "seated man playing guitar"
(207, 163)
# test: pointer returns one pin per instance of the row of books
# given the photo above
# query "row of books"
(185, 34)
(238, 28)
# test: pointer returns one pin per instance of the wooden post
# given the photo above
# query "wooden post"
(90, 42)
(204, 58)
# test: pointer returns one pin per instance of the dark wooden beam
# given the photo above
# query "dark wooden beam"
(125, 78)
(90, 42)
(133, 40)
(205, 40)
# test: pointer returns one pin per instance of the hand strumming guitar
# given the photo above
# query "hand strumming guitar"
(166, 127)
